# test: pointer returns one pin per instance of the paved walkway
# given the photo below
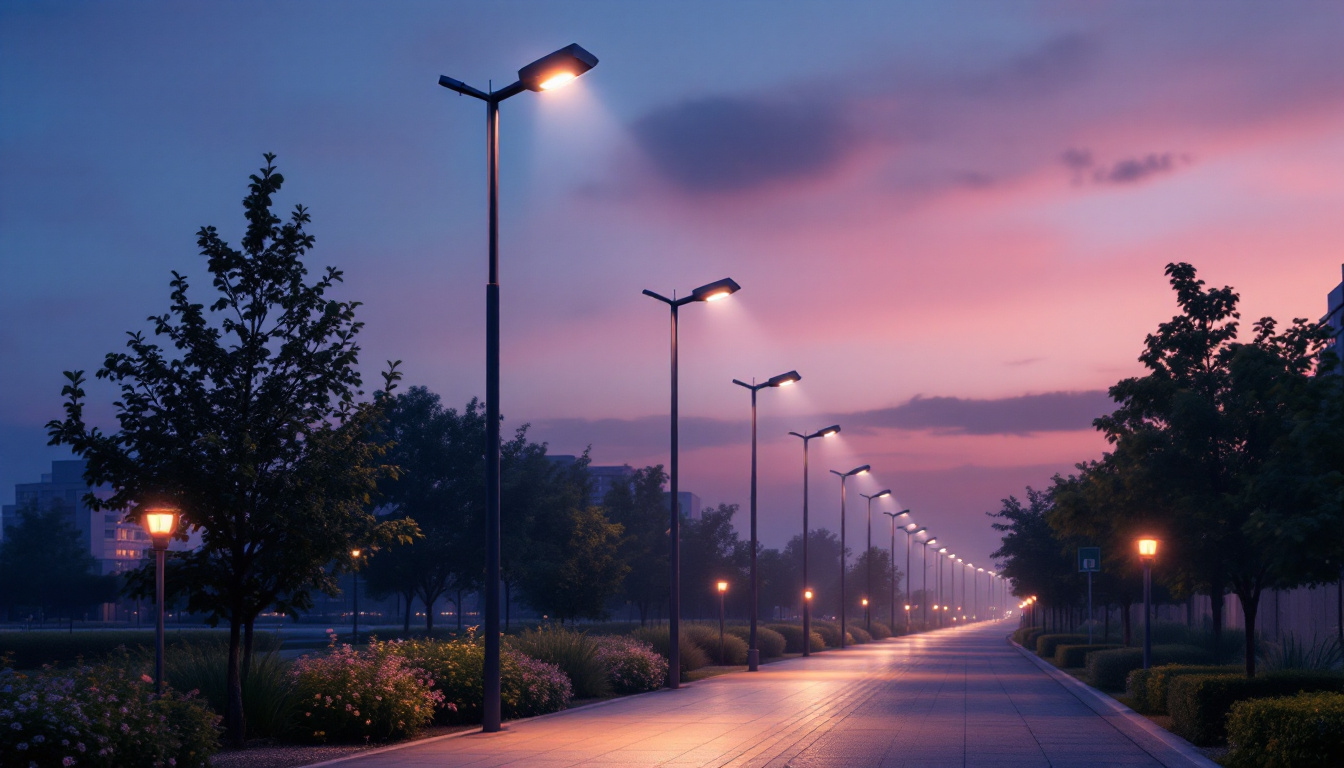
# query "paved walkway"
(959, 697)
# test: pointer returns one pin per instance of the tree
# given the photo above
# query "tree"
(823, 569)
(879, 601)
(1032, 556)
(711, 551)
(641, 510)
(44, 564)
(249, 421)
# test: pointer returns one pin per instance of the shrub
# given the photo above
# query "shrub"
(1067, 656)
(527, 686)
(575, 653)
(1149, 687)
(769, 642)
(269, 697)
(1020, 635)
(371, 695)
(1292, 652)
(692, 658)
(1030, 638)
(707, 638)
(101, 716)
(1046, 644)
(32, 650)
(1108, 670)
(830, 634)
(1303, 731)
(632, 666)
(793, 638)
(1199, 703)
(859, 634)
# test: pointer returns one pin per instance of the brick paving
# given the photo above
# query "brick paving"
(958, 697)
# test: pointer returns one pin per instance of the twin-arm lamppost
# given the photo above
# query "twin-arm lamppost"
(807, 595)
(783, 379)
(844, 628)
(546, 73)
(868, 555)
(719, 289)
(159, 522)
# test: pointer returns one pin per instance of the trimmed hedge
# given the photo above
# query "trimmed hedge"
(830, 634)
(880, 631)
(793, 638)
(1199, 704)
(30, 650)
(1303, 731)
(1029, 639)
(1148, 688)
(769, 642)
(707, 638)
(1046, 644)
(1108, 670)
(1020, 635)
(859, 634)
(1067, 656)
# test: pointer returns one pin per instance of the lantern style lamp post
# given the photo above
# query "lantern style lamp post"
(863, 470)
(868, 555)
(1147, 553)
(720, 289)
(544, 74)
(354, 579)
(723, 590)
(782, 380)
(159, 522)
(834, 429)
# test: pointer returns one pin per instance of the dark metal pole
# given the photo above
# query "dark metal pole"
(674, 596)
(1089, 607)
(807, 608)
(1147, 615)
(924, 603)
(753, 653)
(721, 658)
(159, 554)
(909, 630)
(892, 557)
(868, 553)
(354, 576)
(490, 714)
(843, 596)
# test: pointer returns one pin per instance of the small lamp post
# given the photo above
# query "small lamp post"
(723, 590)
(160, 523)
(807, 634)
(1147, 553)
(354, 578)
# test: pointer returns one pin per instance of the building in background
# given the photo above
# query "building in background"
(1335, 317)
(605, 477)
(689, 504)
(117, 546)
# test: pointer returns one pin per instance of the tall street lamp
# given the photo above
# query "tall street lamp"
(719, 289)
(834, 429)
(1147, 553)
(354, 578)
(924, 603)
(977, 593)
(782, 380)
(159, 522)
(548, 72)
(843, 477)
(868, 554)
(911, 530)
(892, 556)
(723, 590)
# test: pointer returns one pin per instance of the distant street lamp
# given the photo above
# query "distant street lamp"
(834, 429)
(924, 604)
(892, 557)
(548, 72)
(868, 555)
(976, 615)
(1147, 553)
(844, 628)
(723, 590)
(354, 578)
(911, 530)
(720, 289)
(159, 522)
(784, 379)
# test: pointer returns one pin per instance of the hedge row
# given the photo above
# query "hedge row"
(1046, 644)
(1148, 688)
(1304, 731)
(1108, 670)
(1199, 704)
(793, 638)
(1068, 656)
(1020, 635)
(31, 650)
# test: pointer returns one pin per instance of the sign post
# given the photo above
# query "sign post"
(1089, 562)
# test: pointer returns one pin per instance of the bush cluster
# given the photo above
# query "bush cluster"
(793, 638)
(631, 666)
(348, 695)
(858, 634)
(269, 697)
(1070, 656)
(1020, 635)
(32, 650)
(575, 653)
(1148, 688)
(660, 639)
(707, 639)
(1199, 703)
(1108, 670)
(769, 642)
(527, 686)
(1303, 731)
(880, 631)
(1046, 644)
(830, 633)
(101, 716)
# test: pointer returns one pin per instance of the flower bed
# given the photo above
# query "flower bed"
(527, 686)
(632, 666)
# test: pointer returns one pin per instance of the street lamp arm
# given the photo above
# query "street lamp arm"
(663, 299)
(752, 387)
(462, 88)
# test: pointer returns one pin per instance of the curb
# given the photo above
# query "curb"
(1169, 750)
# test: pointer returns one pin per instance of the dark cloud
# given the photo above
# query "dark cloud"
(641, 435)
(1022, 415)
(1130, 170)
(725, 144)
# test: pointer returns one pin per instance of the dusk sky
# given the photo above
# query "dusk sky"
(951, 218)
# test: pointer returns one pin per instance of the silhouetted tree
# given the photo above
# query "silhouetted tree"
(641, 510)
(45, 565)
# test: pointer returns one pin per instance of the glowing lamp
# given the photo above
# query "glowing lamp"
(865, 602)
(723, 586)
(784, 379)
(807, 594)
(160, 522)
(831, 431)
(719, 289)
(1148, 548)
(556, 69)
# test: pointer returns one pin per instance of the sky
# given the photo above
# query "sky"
(951, 218)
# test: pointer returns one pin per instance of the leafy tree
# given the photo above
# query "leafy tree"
(249, 421)
(781, 583)
(712, 551)
(1032, 556)
(879, 602)
(641, 510)
(44, 564)
(823, 569)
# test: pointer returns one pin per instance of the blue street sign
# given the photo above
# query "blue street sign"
(1089, 559)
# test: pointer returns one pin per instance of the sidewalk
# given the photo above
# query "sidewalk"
(961, 697)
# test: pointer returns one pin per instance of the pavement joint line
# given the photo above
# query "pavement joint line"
(1114, 712)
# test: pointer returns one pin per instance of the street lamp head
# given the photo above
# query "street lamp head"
(830, 431)
(882, 493)
(855, 471)
(934, 540)
(784, 379)
(807, 594)
(1148, 549)
(865, 602)
(719, 289)
(916, 530)
(159, 522)
(903, 513)
(355, 553)
(723, 586)
(942, 551)
(556, 69)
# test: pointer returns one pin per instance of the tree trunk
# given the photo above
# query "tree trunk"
(1106, 633)
(406, 623)
(1216, 590)
(233, 713)
(1248, 610)
(1126, 607)
(248, 636)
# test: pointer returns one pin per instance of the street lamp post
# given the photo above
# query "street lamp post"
(868, 555)
(1147, 553)
(720, 289)
(976, 615)
(942, 610)
(159, 522)
(354, 578)
(911, 531)
(892, 557)
(807, 598)
(548, 72)
(784, 379)
(843, 599)
(924, 603)
(723, 590)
